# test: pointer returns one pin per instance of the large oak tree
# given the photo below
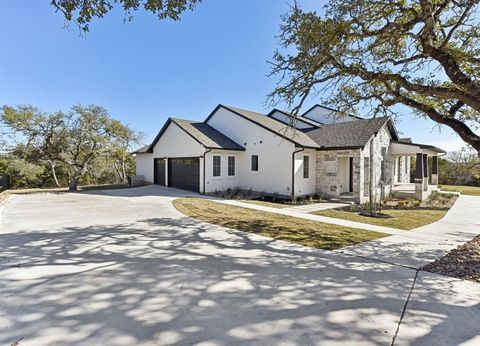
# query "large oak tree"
(74, 139)
(82, 12)
(378, 54)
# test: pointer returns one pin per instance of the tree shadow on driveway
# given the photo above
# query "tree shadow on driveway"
(178, 281)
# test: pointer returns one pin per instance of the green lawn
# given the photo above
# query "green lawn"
(295, 230)
(266, 204)
(465, 190)
(402, 219)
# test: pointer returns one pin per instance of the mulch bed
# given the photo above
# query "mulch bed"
(462, 262)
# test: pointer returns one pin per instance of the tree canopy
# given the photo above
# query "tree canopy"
(83, 12)
(375, 55)
(78, 140)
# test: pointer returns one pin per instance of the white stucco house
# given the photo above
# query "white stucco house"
(320, 152)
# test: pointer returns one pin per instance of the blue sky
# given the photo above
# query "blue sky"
(146, 70)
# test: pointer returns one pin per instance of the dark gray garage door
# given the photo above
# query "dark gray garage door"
(159, 171)
(184, 173)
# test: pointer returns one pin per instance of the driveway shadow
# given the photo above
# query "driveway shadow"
(176, 281)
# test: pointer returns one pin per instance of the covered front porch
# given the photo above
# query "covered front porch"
(406, 190)
(425, 177)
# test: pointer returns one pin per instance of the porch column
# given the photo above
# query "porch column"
(419, 192)
(425, 172)
(434, 174)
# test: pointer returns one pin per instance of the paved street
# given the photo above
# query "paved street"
(123, 267)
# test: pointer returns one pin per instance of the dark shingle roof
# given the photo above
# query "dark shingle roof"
(207, 135)
(199, 131)
(141, 150)
(273, 125)
(352, 134)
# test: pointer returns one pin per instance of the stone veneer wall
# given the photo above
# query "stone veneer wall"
(382, 140)
(328, 172)
(329, 176)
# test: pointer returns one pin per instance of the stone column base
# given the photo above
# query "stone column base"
(434, 178)
(425, 183)
(420, 192)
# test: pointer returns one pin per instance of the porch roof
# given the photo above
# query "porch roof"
(409, 148)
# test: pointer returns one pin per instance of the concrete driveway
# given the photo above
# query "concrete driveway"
(123, 267)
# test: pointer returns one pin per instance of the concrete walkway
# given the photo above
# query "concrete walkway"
(414, 248)
(303, 215)
(423, 245)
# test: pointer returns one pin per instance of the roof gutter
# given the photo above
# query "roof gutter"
(323, 148)
(293, 171)
(204, 164)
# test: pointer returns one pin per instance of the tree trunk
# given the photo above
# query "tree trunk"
(124, 171)
(117, 171)
(74, 182)
(54, 174)
(371, 184)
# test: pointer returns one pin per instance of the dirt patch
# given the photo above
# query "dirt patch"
(462, 262)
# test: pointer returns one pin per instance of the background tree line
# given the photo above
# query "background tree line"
(83, 146)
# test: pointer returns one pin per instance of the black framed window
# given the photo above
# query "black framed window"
(306, 166)
(254, 163)
(216, 166)
(231, 166)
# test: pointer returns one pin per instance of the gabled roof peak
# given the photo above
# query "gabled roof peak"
(329, 109)
(298, 117)
(270, 124)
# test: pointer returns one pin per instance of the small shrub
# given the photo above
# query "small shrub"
(275, 197)
(229, 191)
(299, 199)
(316, 197)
